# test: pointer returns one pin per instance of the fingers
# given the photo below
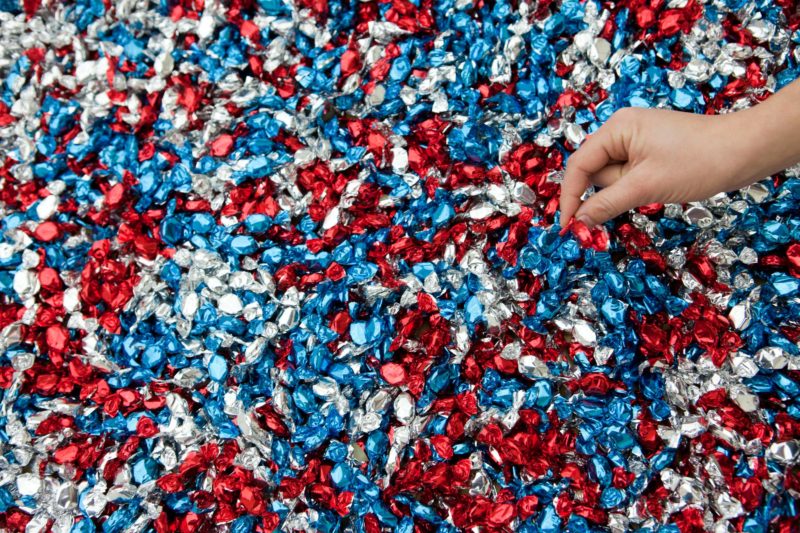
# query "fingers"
(614, 200)
(571, 191)
(600, 149)
(608, 175)
(589, 158)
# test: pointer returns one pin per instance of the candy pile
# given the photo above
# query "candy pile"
(293, 265)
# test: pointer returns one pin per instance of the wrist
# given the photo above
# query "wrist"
(767, 136)
(740, 141)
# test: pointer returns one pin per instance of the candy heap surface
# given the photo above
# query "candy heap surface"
(293, 265)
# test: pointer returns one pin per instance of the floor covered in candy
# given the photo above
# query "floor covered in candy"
(293, 265)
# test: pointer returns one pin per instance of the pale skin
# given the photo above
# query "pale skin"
(646, 156)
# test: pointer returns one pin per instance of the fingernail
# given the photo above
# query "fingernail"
(586, 220)
(565, 227)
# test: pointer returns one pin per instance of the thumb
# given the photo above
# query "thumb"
(609, 202)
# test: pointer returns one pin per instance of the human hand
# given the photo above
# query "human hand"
(644, 156)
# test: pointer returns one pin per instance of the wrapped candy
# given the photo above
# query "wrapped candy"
(271, 265)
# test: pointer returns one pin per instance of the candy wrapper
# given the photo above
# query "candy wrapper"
(293, 265)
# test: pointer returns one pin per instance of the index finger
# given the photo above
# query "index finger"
(594, 154)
